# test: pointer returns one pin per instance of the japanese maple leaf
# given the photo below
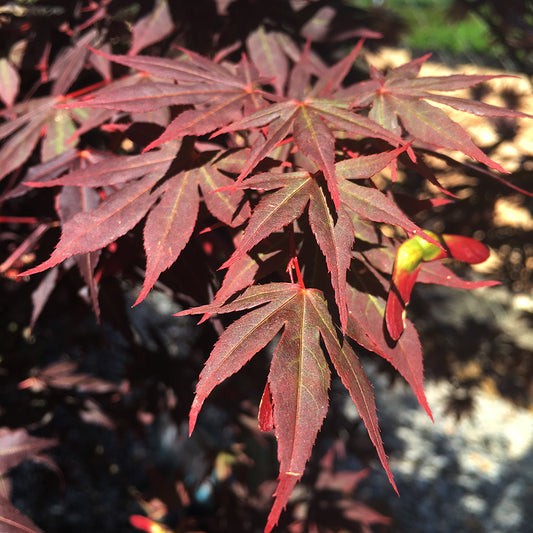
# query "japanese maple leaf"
(400, 96)
(217, 93)
(311, 119)
(172, 208)
(299, 376)
(296, 190)
(37, 119)
(40, 118)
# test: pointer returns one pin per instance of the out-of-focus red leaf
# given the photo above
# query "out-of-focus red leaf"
(9, 82)
(70, 62)
(18, 445)
(18, 148)
(58, 132)
(148, 525)
(62, 375)
(152, 28)
(41, 294)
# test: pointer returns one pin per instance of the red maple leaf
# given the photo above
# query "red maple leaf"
(299, 376)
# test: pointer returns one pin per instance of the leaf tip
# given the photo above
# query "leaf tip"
(38, 269)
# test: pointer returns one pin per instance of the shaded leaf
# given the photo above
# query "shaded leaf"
(152, 28)
(70, 63)
(115, 170)
(63, 375)
(17, 446)
(73, 200)
(59, 130)
(41, 294)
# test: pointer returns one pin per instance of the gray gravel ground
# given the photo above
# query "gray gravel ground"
(474, 474)
(471, 475)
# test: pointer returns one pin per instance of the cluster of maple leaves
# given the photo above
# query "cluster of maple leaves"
(274, 151)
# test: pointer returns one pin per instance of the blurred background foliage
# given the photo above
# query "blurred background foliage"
(495, 32)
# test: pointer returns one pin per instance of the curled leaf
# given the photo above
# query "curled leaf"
(409, 257)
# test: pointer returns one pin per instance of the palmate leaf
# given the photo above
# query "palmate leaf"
(311, 119)
(299, 376)
(335, 238)
(173, 209)
(308, 120)
(401, 94)
(219, 94)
